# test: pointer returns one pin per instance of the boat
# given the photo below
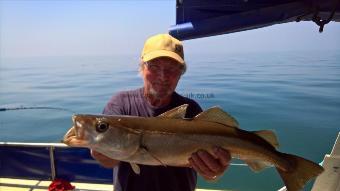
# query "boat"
(32, 166)
(204, 18)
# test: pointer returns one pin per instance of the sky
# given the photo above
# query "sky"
(109, 27)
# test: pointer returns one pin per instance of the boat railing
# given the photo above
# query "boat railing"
(48, 161)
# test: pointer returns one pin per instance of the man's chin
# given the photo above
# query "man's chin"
(161, 93)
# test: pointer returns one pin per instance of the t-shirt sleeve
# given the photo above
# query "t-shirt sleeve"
(193, 109)
(115, 106)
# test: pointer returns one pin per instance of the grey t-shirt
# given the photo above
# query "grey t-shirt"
(151, 178)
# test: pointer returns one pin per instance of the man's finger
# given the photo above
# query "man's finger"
(210, 161)
(194, 166)
(199, 171)
(223, 156)
(201, 166)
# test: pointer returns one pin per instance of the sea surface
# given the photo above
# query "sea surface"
(296, 94)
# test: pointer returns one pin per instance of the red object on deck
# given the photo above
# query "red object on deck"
(60, 185)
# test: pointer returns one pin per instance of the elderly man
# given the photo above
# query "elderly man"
(162, 64)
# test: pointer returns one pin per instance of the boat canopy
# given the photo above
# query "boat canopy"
(202, 18)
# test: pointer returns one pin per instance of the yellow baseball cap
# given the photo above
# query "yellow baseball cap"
(163, 45)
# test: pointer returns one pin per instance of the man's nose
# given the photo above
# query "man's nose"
(163, 74)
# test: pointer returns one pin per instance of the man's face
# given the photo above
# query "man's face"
(161, 76)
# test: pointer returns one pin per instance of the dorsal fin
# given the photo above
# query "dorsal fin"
(269, 136)
(177, 112)
(216, 114)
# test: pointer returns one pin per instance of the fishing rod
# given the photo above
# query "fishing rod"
(34, 107)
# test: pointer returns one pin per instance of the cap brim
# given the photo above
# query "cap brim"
(162, 53)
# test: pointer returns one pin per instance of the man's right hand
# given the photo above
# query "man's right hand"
(104, 160)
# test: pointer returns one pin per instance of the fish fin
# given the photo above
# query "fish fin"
(177, 112)
(269, 136)
(301, 171)
(216, 114)
(144, 149)
(257, 166)
(135, 168)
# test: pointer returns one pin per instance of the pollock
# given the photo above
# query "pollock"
(170, 139)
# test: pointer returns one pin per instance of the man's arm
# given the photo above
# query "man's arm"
(112, 108)
(210, 167)
(104, 160)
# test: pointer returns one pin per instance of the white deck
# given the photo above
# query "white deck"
(10, 184)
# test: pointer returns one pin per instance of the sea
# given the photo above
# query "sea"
(296, 94)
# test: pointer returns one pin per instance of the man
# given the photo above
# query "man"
(162, 64)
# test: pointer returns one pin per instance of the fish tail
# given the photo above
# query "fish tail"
(300, 172)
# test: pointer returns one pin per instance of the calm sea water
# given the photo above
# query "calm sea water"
(297, 94)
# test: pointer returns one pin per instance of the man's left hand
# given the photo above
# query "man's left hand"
(209, 166)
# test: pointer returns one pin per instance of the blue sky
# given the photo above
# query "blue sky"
(110, 27)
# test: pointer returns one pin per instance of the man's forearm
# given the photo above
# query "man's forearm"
(104, 160)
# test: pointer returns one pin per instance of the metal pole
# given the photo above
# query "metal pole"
(52, 162)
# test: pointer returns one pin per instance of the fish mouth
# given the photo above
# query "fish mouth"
(75, 136)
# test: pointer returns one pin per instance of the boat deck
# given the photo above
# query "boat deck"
(11, 184)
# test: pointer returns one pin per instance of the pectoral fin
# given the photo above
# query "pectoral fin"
(144, 149)
(135, 168)
(216, 114)
(177, 112)
(257, 166)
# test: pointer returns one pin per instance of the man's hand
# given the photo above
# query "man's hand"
(209, 166)
(104, 160)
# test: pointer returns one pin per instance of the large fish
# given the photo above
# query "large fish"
(170, 139)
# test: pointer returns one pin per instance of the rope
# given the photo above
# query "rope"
(317, 19)
(315, 9)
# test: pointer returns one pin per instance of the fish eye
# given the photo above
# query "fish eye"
(102, 126)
